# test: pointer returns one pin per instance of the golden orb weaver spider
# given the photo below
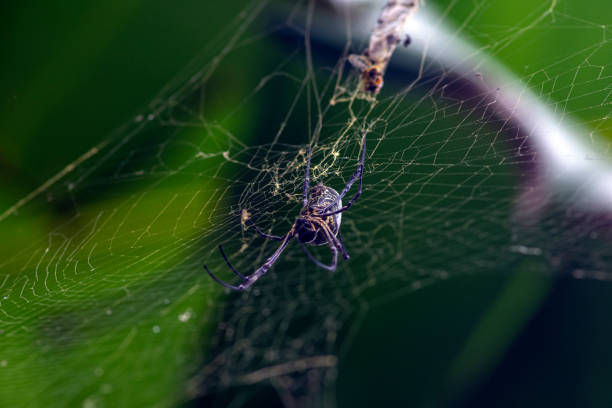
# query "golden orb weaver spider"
(317, 224)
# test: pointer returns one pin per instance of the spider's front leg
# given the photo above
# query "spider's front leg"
(331, 267)
(334, 242)
(249, 280)
(340, 245)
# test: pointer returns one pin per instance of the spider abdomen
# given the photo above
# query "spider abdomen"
(309, 228)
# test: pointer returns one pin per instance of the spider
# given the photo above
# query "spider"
(317, 224)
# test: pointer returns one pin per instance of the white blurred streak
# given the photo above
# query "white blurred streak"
(567, 161)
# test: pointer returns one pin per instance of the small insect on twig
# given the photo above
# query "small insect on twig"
(388, 33)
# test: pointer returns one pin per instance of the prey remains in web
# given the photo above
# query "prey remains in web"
(389, 32)
(317, 224)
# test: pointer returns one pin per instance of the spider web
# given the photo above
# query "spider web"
(471, 169)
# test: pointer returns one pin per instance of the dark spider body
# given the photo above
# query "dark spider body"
(307, 226)
(317, 224)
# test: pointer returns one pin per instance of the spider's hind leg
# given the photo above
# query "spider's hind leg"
(358, 175)
(306, 187)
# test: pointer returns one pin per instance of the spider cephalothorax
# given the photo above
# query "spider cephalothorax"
(317, 224)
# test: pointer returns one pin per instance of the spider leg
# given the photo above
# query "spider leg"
(263, 234)
(263, 269)
(337, 243)
(219, 281)
(241, 276)
(306, 180)
(340, 246)
(331, 267)
(332, 239)
(357, 175)
(248, 280)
